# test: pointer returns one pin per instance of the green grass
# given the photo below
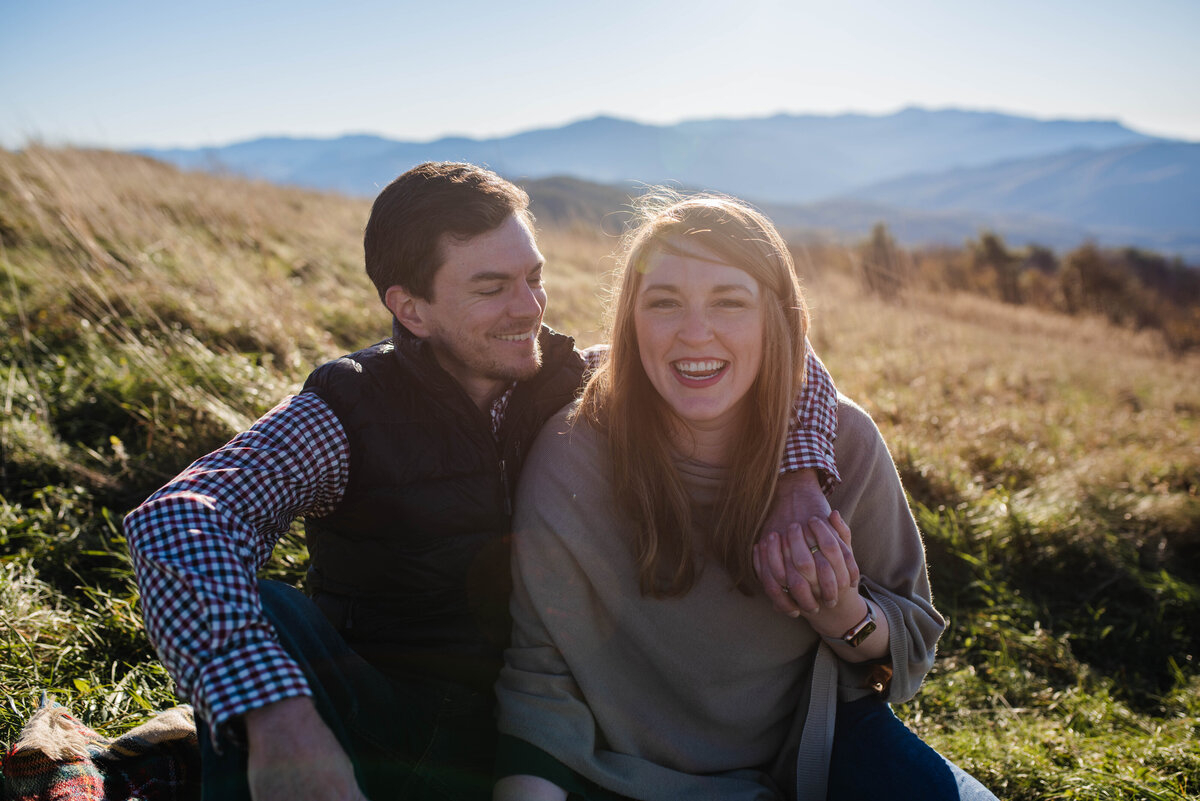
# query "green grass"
(1053, 462)
(69, 619)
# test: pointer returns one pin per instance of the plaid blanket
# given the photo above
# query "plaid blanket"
(57, 758)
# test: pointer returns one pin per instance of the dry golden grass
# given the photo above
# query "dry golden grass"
(107, 237)
(990, 393)
(1054, 461)
(580, 263)
(1069, 400)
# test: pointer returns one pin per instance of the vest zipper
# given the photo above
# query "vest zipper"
(504, 485)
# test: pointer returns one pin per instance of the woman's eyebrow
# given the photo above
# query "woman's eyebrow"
(649, 287)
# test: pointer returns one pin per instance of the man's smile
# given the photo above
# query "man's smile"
(520, 337)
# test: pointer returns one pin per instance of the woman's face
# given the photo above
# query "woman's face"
(699, 326)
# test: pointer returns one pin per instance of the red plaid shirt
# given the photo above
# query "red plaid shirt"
(198, 542)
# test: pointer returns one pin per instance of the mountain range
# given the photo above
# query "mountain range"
(935, 176)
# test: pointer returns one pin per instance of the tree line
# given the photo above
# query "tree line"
(1130, 287)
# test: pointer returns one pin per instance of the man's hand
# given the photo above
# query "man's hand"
(527, 788)
(295, 757)
(798, 498)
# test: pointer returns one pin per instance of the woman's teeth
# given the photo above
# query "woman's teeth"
(698, 370)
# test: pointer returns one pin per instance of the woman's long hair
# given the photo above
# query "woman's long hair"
(621, 402)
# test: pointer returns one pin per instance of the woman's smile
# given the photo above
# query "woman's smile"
(699, 326)
(700, 373)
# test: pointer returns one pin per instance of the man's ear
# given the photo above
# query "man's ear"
(407, 310)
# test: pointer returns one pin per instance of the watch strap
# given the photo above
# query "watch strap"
(855, 635)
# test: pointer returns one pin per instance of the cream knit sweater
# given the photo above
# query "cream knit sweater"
(709, 695)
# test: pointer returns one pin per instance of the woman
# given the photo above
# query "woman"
(644, 664)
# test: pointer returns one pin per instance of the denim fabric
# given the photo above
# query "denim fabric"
(419, 740)
(875, 756)
(413, 739)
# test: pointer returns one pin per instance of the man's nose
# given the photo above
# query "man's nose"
(529, 301)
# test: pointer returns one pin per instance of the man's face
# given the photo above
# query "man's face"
(486, 311)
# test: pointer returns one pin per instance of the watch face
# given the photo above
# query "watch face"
(860, 633)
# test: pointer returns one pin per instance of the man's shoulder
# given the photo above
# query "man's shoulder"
(559, 352)
(558, 379)
(356, 362)
(354, 367)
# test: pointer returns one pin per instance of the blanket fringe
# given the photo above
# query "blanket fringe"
(53, 732)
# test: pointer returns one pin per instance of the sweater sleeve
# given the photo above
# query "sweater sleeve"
(890, 554)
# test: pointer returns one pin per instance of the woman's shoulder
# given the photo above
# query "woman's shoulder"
(854, 422)
(564, 492)
(858, 438)
(566, 444)
(566, 430)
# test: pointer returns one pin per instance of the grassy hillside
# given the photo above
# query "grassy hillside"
(1053, 461)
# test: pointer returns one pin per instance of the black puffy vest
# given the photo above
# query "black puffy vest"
(413, 565)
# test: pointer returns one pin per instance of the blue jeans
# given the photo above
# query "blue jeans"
(429, 741)
(409, 738)
(875, 756)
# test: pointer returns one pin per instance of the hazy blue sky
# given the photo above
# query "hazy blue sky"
(124, 73)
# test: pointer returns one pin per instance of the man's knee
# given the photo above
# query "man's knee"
(276, 594)
(301, 627)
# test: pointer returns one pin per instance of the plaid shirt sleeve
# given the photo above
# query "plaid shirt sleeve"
(198, 542)
(593, 357)
(811, 434)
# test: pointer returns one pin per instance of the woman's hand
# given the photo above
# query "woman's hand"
(813, 566)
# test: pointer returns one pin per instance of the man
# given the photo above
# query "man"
(402, 457)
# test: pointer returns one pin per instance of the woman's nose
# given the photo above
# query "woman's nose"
(695, 326)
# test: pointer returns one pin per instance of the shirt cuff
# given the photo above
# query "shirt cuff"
(243, 679)
(808, 451)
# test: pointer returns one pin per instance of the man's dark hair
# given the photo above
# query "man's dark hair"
(402, 243)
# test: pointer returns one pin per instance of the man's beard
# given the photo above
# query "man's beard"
(478, 363)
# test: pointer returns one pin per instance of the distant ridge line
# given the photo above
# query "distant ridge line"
(932, 173)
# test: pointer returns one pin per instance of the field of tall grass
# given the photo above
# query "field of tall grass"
(1053, 461)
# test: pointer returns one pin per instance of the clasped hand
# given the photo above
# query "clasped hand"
(808, 568)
